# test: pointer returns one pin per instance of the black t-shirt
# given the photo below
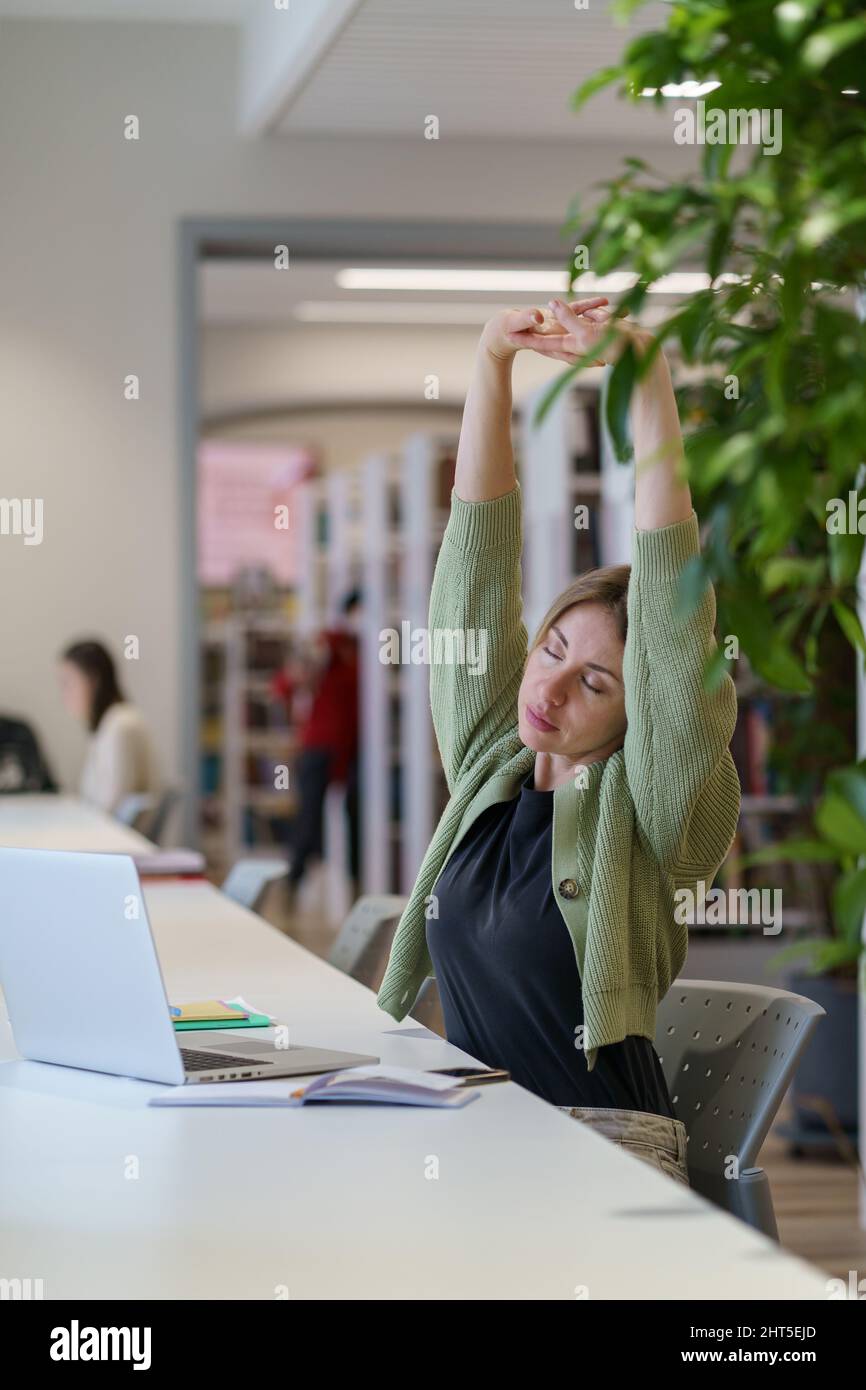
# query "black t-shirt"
(507, 973)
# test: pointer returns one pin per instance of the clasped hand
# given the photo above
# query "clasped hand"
(565, 331)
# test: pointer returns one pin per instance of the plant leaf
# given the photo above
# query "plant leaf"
(617, 401)
(850, 624)
(849, 904)
(827, 43)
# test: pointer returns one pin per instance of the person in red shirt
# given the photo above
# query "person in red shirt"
(328, 739)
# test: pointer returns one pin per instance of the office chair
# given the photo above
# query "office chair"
(147, 813)
(362, 947)
(134, 808)
(156, 825)
(248, 881)
(427, 1009)
(729, 1052)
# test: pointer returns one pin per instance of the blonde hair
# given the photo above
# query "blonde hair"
(607, 586)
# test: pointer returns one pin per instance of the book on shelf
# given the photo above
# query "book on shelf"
(584, 433)
(759, 743)
(586, 545)
(751, 746)
(445, 479)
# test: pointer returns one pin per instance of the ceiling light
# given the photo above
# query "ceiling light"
(682, 89)
(617, 282)
(680, 282)
(396, 311)
(449, 279)
(677, 282)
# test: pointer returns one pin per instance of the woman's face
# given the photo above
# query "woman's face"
(571, 702)
(75, 691)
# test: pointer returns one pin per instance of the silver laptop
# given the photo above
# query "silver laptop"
(83, 987)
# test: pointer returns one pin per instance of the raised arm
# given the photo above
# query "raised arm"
(476, 596)
(661, 494)
(485, 460)
(679, 767)
(681, 774)
(476, 592)
(680, 771)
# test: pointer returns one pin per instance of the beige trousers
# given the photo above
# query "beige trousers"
(654, 1138)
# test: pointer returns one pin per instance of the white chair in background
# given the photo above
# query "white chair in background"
(249, 880)
(148, 813)
(365, 937)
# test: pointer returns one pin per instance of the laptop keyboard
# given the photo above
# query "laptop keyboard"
(209, 1061)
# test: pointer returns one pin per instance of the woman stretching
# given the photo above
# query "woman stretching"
(589, 775)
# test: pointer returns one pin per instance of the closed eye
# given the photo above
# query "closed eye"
(594, 688)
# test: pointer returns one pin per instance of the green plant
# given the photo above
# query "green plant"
(840, 821)
(776, 428)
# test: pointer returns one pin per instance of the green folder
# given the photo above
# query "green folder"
(254, 1021)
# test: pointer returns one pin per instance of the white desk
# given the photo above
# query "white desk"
(41, 821)
(336, 1202)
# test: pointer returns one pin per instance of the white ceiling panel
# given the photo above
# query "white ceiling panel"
(497, 68)
(178, 11)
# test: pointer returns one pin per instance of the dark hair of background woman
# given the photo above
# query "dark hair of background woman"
(96, 662)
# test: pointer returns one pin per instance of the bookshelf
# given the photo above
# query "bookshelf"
(769, 813)
(247, 733)
(380, 771)
(259, 739)
(427, 477)
(310, 518)
(245, 739)
(330, 523)
(406, 504)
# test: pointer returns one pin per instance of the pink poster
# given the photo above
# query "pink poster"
(245, 515)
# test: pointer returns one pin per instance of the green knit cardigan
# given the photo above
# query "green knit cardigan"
(657, 815)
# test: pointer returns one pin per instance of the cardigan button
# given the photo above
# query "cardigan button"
(568, 888)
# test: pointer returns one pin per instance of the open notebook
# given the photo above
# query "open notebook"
(374, 1084)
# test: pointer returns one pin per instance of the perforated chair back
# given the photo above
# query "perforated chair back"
(366, 935)
(248, 880)
(729, 1052)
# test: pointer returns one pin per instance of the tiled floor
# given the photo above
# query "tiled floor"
(817, 1207)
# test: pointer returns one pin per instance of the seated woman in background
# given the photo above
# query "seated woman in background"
(120, 756)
